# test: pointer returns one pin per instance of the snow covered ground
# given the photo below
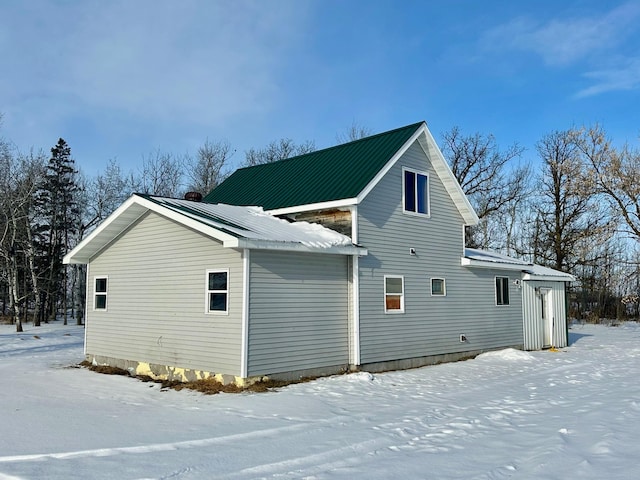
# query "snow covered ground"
(508, 414)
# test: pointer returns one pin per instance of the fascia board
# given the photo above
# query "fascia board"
(468, 262)
(380, 175)
(440, 165)
(256, 244)
(126, 215)
(549, 278)
(129, 206)
(347, 202)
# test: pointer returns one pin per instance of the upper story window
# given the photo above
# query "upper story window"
(502, 291)
(100, 293)
(415, 192)
(217, 291)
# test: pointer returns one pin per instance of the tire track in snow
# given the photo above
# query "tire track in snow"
(152, 448)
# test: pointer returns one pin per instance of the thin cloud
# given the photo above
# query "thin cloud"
(567, 40)
(197, 61)
(625, 77)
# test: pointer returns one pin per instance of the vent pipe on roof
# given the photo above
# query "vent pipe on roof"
(193, 196)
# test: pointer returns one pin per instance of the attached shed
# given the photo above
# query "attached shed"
(543, 296)
(186, 290)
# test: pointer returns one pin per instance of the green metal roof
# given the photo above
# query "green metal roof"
(327, 175)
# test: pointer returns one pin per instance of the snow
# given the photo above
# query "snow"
(254, 223)
(573, 413)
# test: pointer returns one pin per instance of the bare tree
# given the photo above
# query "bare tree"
(354, 132)
(488, 178)
(209, 167)
(568, 212)
(614, 172)
(19, 179)
(161, 174)
(277, 150)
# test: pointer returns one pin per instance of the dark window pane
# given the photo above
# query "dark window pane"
(218, 281)
(422, 193)
(437, 286)
(101, 285)
(218, 302)
(101, 302)
(393, 285)
(410, 191)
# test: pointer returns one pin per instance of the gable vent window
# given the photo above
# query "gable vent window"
(217, 291)
(416, 192)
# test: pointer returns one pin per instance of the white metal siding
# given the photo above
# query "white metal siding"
(430, 325)
(298, 312)
(531, 307)
(156, 299)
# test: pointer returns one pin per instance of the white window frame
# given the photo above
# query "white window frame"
(444, 287)
(393, 311)
(207, 303)
(495, 286)
(415, 192)
(104, 294)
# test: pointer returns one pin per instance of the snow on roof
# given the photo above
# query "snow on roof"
(254, 223)
(474, 257)
(234, 226)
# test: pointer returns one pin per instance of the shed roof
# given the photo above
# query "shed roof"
(234, 226)
(338, 176)
(485, 259)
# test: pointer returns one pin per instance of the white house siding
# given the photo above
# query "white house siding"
(156, 299)
(533, 324)
(298, 312)
(430, 325)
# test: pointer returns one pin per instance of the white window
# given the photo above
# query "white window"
(100, 293)
(438, 287)
(217, 300)
(502, 291)
(393, 294)
(415, 192)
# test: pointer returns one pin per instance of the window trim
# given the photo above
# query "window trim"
(401, 309)
(415, 192)
(207, 304)
(499, 298)
(104, 294)
(444, 287)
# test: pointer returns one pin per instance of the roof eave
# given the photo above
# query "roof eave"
(257, 244)
(470, 262)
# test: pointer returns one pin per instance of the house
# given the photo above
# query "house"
(351, 257)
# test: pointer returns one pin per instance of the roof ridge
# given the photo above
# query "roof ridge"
(340, 145)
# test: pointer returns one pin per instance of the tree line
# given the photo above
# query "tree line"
(575, 209)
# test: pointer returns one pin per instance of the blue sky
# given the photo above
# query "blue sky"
(120, 79)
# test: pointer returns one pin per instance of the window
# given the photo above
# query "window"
(502, 291)
(217, 291)
(393, 294)
(100, 294)
(438, 287)
(416, 192)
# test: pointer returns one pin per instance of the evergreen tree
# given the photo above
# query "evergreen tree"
(57, 224)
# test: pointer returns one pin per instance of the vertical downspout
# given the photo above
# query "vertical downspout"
(356, 289)
(244, 349)
(566, 309)
(86, 309)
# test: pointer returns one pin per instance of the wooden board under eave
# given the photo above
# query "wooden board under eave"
(156, 299)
